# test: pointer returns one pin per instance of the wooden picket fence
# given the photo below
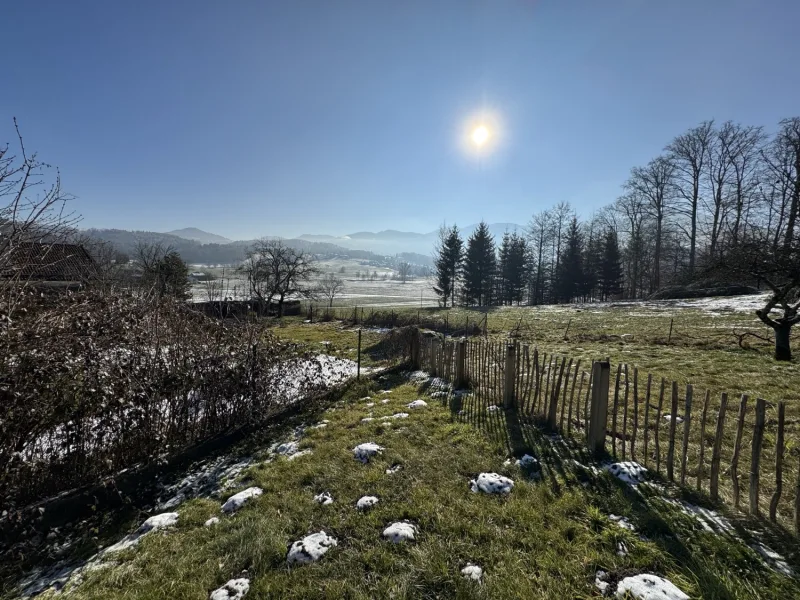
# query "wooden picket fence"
(713, 443)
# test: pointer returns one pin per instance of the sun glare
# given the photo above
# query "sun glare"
(480, 135)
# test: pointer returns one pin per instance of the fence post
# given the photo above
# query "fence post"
(415, 344)
(773, 505)
(598, 410)
(715, 454)
(434, 356)
(508, 387)
(461, 364)
(358, 368)
(755, 457)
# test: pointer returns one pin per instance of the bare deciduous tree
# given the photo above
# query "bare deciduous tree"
(654, 183)
(275, 271)
(329, 287)
(689, 153)
(403, 271)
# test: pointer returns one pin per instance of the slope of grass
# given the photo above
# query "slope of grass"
(546, 539)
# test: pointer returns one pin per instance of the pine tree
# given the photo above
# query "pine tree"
(479, 267)
(450, 252)
(570, 274)
(513, 268)
(592, 263)
(610, 278)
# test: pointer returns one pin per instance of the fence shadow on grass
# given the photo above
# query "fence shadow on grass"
(566, 464)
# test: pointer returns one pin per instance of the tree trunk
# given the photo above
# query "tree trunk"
(783, 349)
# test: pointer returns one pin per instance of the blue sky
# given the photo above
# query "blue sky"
(252, 118)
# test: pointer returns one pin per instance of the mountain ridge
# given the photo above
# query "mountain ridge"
(198, 235)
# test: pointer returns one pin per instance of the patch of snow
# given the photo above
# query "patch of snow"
(236, 501)
(235, 589)
(400, 532)
(152, 524)
(491, 483)
(310, 549)
(649, 587)
(158, 522)
(207, 479)
(364, 452)
(386, 391)
(211, 522)
(622, 549)
(527, 462)
(367, 419)
(394, 469)
(370, 404)
(366, 502)
(385, 401)
(493, 408)
(709, 519)
(417, 404)
(366, 398)
(439, 395)
(473, 572)
(623, 522)
(324, 498)
(600, 582)
(629, 472)
(678, 418)
(287, 448)
(400, 415)
(322, 424)
(773, 559)
(297, 455)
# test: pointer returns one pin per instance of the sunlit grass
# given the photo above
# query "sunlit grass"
(545, 540)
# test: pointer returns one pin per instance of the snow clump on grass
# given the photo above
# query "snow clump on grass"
(211, 522)
(310, 549)
(649, 587)
(629, 472)
(491, 483)
(235, 589)
(417, 404)
(400, 532)
(473, 572)
(366, 502)
(236, 501)
(623, 522)
(158, 522)
(678, 419)
(324, 498)
(364, 452)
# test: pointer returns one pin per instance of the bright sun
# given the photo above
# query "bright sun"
(480, 135)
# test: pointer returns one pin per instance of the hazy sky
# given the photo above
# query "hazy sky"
(250, 118)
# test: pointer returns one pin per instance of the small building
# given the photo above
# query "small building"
(48, 265)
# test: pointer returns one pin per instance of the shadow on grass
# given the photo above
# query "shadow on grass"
(565, 463)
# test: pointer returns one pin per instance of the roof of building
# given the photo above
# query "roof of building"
(35, 261)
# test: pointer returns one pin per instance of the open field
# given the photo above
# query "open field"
(702, 349)
(546, 539)
(416, 292)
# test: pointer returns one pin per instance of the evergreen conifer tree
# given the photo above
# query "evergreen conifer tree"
(479, 267)
(449, 256)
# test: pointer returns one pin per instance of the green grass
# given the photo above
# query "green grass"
(334, 339)
(545, 540)
(702, 349)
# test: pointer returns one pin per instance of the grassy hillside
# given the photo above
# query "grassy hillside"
(546, 539)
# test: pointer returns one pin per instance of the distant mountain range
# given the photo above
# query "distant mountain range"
(393, 242)
(198, 235)
(201, 247)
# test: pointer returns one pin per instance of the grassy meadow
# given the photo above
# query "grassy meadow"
(546, 539)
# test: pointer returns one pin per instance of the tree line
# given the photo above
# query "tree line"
(715, 189)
